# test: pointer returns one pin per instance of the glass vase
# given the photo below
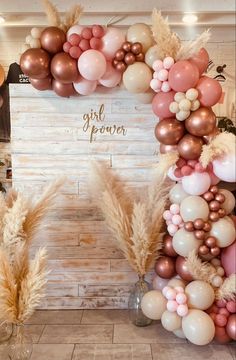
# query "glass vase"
(20, 344)
(5, 331)
(135, 312)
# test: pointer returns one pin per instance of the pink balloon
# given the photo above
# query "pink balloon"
(183, 75)
(92, 65)
(75, 29)
(201, 60)
(214, 179)
(85, 87)
(228, 259)
(161, 103)
(209, 91)
(225, 167)
(111, 78)
(111, 42)
(196, 183)
(231, 327)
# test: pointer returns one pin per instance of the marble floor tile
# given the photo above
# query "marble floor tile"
(189, 351)
(105, 317)
(154, 333)
(52, 352)
(77, 334)
(113, 352)
(56, 317)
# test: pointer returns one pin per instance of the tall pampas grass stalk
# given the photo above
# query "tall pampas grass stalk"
(135, 222)
(191, 48)
(198, 269)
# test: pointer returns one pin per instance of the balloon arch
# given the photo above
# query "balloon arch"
(199, 245)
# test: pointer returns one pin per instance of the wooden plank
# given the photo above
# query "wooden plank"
(79, 265)
(104, 290)
(61, 289)
(100, 240)
(120, 265)
(94, 278)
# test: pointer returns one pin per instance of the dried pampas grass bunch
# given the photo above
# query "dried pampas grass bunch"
(22, 280)
(135, 221)
(191, 48)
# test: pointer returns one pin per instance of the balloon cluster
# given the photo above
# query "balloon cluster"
(161, 73)
(127, 55)
(176, 300)
(215, 199)
(173, 219)
(184, 103)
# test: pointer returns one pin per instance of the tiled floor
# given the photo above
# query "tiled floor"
(108, 335)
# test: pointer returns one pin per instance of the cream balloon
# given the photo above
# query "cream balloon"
(179, 333)
(174, 282)
(194, 207)
(229, 203)
(177, 194)
(224, 231)
(36, 32)
(145, 98)
(137, 78)
(171, 321)
(151, 55)
(198, 327)
(153, 304)
(140, 33)
(184, 242)
(200, 295)
(35, 44)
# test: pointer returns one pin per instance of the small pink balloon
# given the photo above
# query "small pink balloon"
(111, 78)
(166, 288)
(201, 60)
(174, 209)
(75, 52)
(177, 219)
(67, 46)
(157, 65)
(165, 87)
(168, 62)
(155, 84)
(95, 43)
(159, 283)
(172, 229)
(220, 320)
(186, 170)
(170, 294)
(98, 31)
(228, 259)
(225, 312)
(172, 305)
(182, 310)
(87, 33)
(85, 87)
(181, 298)
(183, 75)
(231, 306)
(92, 65)
(209, 91)
(74, 39)
(167, 215)
(161, 103)
(224, 167)
(111, 42)
(84, 45)
(162, 75)
(221, 303)
(75, 29)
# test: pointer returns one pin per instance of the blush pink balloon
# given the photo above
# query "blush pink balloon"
(111, 42)
(196, 183)
(85, 87)
(161, 103)
(183, 75)
(228, 259)
(111, 78)
(231, 327)
(92, 65)
(209, 91)
(214, 179)
(201, 60)
(225, 167)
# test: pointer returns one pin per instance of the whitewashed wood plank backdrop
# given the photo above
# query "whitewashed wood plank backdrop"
(88, 271)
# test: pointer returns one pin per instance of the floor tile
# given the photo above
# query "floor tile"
(189, 351)
(77, 334)
(56, 317)
(113, 352)
(232, 349)
(35, 331)
(52, 352)
(154, 333)
(105, 317)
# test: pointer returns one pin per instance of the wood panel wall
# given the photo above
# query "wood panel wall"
(88, 271)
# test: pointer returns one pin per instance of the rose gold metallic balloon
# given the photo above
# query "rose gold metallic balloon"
(129, 58)
(126, 46)
(213, 189)
(203, 250)
(167, 148)
(64, 68)
(165, 267)
(136, 48)
(199, 234)
(120, 54)
(140, 57)
(64, 90)
(207, 227)
(214, 216)
(168, 247)
(169, 131)
(221, 213)
(201, 122)
(220, 197)
(115, 62)
(208, 196)
(215, 251)
(210, 241)
(214, 205)
(42, 84)
(211, 136)
(52, 39)
(121, 66)
(182, 269)
(231, 326)
(199, 224)
(190, 147)
(35, 63)
(189, 226)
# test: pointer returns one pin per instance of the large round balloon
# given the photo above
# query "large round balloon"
(171, 321)
(225, 167)
(196, 183)
(183, 75)
(165, 267)
(137, 77)
(228, 259)
(231, 326)
(42, 84)
(182, 269)
(201, 122)
(52, 39)
(153, 304)
(140, 33)
(92, 65)
(224, 231)
(198, 327)
(190, 147)
(169, 131)
(159, 283)
(201, 60)
(184, 242)
(64, 90)
(111, 42)
(161, 103)
(229, 203)
(177, 194)
(194, 207)
(200, 295)
(85, 87)
(64, 68)
(168, 247)
(111, 78)
(35, 63)
(209, 91)
(151, 55)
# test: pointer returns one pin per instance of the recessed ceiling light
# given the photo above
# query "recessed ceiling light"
(2, 20)
(190, 19)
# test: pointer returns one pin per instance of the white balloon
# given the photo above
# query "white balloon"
(159, 283)
(225, 167)
(35, 44)
(179, 333)
(224, 231)
(184, 242)
(153, 304)
(177, 194)
(28, 39)
(200, 294)
(198, 327)
(171, 321)
(196, 183)
(229, 203)
(151, 55)
(171, 175)
(194, 207)
(36, 32)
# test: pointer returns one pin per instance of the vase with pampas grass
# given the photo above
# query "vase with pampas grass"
(135, 221)
(22, 280)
